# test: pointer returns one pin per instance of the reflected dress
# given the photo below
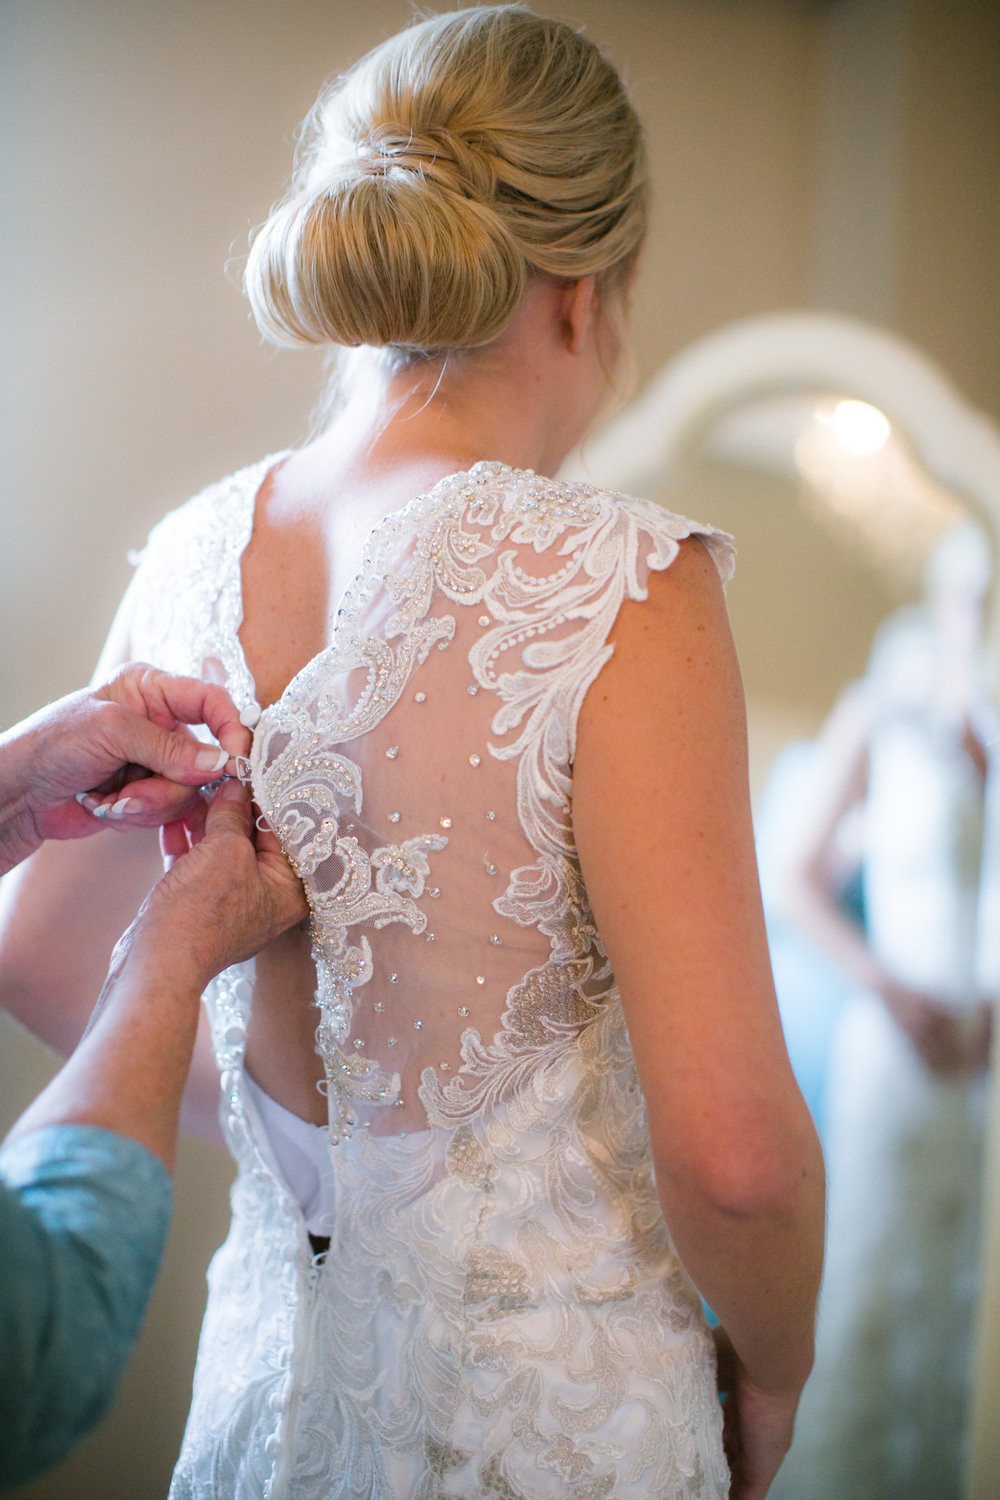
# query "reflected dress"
(884, 1413)
(501, 1311)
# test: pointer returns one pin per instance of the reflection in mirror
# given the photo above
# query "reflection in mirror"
(859, 609)
(834, 519)
(867, 656)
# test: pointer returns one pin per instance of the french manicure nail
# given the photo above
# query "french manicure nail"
(118, 809)
(211, 758)
(88, 800)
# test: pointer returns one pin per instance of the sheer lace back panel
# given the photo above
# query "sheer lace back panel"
(418, 772)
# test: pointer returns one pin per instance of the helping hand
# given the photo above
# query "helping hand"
(228, 888)
(116, 755)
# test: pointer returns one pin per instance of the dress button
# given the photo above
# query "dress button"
(250, 716)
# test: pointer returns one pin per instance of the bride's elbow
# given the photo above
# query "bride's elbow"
(758, 1175)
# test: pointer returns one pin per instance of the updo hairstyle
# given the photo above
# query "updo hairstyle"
(442, 170)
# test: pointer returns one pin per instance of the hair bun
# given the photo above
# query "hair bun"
(389, 254)
(437, 153)
(455, 159)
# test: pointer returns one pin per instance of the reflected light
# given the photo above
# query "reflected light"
(862, 481)
(860, 428)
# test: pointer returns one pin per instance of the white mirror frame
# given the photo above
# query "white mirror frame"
(959, 447)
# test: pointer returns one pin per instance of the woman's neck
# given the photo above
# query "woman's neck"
(525, 400)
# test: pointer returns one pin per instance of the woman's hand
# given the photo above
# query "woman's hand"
(224, 896)
(950, 1043)
(757, 1425)
(228, 889)
(112, 756)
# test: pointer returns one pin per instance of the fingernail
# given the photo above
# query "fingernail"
(118, 809)
(88, 800)
(211, 758)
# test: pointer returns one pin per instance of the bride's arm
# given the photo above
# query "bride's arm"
(61, 913)
(662, 822)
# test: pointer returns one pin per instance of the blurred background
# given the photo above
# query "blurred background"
(832, 155)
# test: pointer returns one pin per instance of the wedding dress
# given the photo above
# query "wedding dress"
(501, 1311)
(884, 1413)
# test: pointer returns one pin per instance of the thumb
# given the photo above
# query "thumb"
(266, 840)
(230, 811)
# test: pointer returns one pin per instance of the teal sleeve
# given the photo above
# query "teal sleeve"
(84, 1215)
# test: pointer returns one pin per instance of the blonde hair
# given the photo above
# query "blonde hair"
(445, 167)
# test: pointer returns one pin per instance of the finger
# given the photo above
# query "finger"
(168, 700)
(191, 701)
(152, 703)
(287, 898)
(146, 803)
(173, 842)
(175, 754)
(266, 840)
(230, 811)
(194, 820)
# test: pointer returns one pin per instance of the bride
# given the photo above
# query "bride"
(521, 1088)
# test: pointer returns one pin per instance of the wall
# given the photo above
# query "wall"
(143, 142)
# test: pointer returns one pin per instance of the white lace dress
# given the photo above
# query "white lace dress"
(884, 1414)
(501, 1311)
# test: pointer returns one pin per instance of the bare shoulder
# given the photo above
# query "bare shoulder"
(674, 669)
(687, 595)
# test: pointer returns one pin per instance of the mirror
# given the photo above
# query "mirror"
(864, 498)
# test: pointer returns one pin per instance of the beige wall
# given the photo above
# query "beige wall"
(143, 140)
(947, 295)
